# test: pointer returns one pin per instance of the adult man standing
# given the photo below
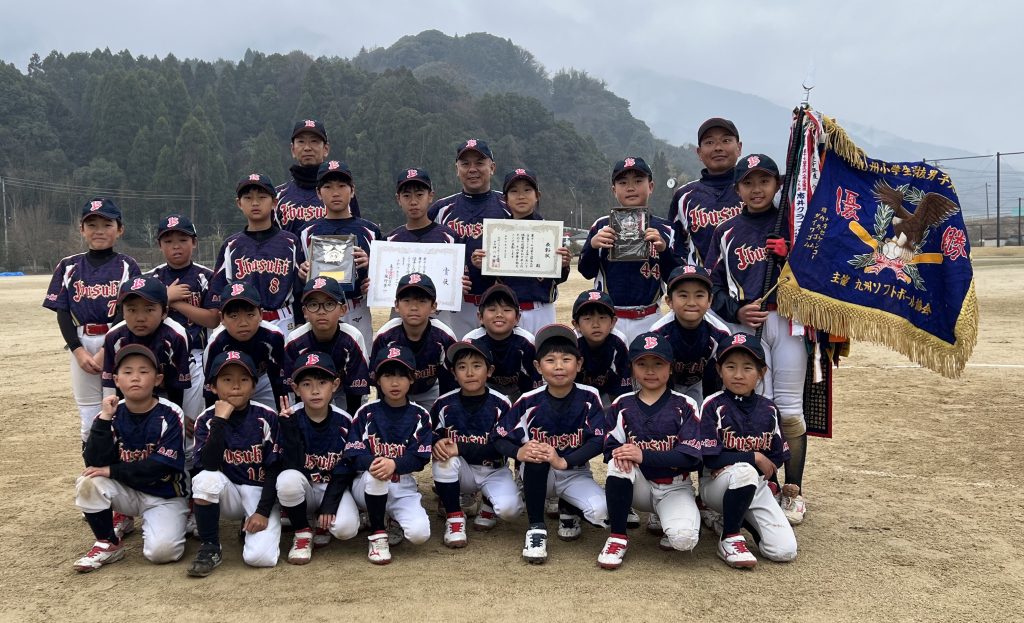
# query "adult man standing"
(700, 205)
(464, 213)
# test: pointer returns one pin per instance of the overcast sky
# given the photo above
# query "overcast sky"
(942, 72)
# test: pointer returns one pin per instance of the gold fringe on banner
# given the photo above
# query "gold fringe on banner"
(840, 142)
(872, 325)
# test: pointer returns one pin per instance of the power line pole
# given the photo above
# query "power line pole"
(987, 215)
(998, 188)
(1019, 241)
(7, 250)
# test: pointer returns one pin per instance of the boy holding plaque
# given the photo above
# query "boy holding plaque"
(336, 188)
(634, 282)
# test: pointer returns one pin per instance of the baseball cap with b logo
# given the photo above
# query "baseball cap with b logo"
(409, 176)
(631, 163)
(101, 207)
(689, 272)
(255, 180)
(592, 297)
(755, 162)
(315, 361)
(520, 174)
(741, 341)
(650, 343)
(313, 126)
(146, 287)
(416, 281)
(395, 354)
(333, 169)
(325, 284)
(175, 222)
(474, 145)
(232, 358)
(240, 291)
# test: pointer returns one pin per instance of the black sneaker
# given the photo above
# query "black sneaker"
(207, 559)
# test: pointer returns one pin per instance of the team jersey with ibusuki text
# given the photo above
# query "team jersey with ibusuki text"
(606, 367)
(429, 350)
(197, 277)
(698, 207)
(452, 420)
(693, 352)
(670, 426)
(87, 292)
(266, 347)
(399, 433)
(315, 448)
(513, 359)
(629, 283)
(737, 257)
(169, 342)
(743, 424)
(346, 350)
(250, 443)
(463, 214)
(566, 424)
(267, 260)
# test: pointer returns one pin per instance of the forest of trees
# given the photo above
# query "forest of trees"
(169, 135)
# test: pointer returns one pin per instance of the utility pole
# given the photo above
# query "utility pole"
(1019, 241)
(7, 250)
(987, 215)
(997, 200)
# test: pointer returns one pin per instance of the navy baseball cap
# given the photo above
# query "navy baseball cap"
(146, 286)
(408, 176)
(650, 343)
(395, 354)
(134, 349)
(240, 291)
(325, 284)
(689, 272)
(176, 222)
(101, 207)
(745, 342)
(554, 331)
(259, 181)
(592, 297)
(717, 122)
(232, 358)
(416, 281)
(313, 126)
(474, 145)
(315, 361)
(631, 163)
(520, 174)
(476, 346)
(755, 162)
(499, 289)
(333, 168)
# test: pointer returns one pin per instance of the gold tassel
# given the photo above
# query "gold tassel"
(865, 323)
(840, 142)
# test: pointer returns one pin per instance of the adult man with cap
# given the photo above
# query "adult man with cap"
(463, 213)
(699, 205)
(297, 202)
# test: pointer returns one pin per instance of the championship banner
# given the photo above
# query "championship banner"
(880, 251)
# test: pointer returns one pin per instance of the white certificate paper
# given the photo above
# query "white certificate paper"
(390, 261)
(520, 248)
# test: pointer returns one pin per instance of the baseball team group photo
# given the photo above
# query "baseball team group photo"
(410, 345)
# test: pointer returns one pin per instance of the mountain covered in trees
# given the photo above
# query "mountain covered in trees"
(169, 135)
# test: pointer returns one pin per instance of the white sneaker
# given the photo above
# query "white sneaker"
(733, 550)
(380, 551)
(395, 532)
(302, 547)
(123, 525)
(455, 531)
(102, 553)
(613, 553)
(535, 551)
(551, 508)
(654, 525)
(633, 520)
(793, 506)
(569, 528)
(321, 538)
(470, 503)
(486, 519)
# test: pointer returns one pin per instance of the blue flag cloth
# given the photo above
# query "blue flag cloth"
(880, 251)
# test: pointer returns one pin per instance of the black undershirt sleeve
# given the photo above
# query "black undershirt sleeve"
(68, 330)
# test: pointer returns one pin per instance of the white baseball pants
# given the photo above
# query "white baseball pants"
(404, 503)
(496, 483)
(674, 503)
(237, 501)
(293, 488)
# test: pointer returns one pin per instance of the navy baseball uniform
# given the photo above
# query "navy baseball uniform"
(145, 453)
(269, 260)
(83, 292)
(198, 278)
(266, 347)
(693, 361)
(535, 293)
(432, 376)
(699, 206)
(514, 372)
(170, 345)
(346, 350)
(433, 233)
(606, 367)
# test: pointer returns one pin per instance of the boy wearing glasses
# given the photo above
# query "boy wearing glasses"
(323, 305)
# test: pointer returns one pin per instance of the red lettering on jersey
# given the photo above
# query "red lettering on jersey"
(746, 443)
(289, 212)
(559, 442)
(273, 266)
(748, 256)
(385, 449)
(701, 218)
(466, 230)
(244, 457)
(97, 291)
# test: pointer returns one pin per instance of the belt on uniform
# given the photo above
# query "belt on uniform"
(95, 329)
(632, 313)
(270, 315)
(771, 307)
(473, 299)
(529, 305)
(666, 481)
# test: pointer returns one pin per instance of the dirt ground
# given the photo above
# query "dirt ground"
(915, 513)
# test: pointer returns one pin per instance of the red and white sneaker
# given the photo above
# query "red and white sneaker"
(302, 547)
(380, 551)
(123, 525)
(102, 553)
(321, 538)
(733, 550)
(486, 518)
(613, 553)
(455, 531)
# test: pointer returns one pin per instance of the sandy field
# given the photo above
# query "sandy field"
(916, 513)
